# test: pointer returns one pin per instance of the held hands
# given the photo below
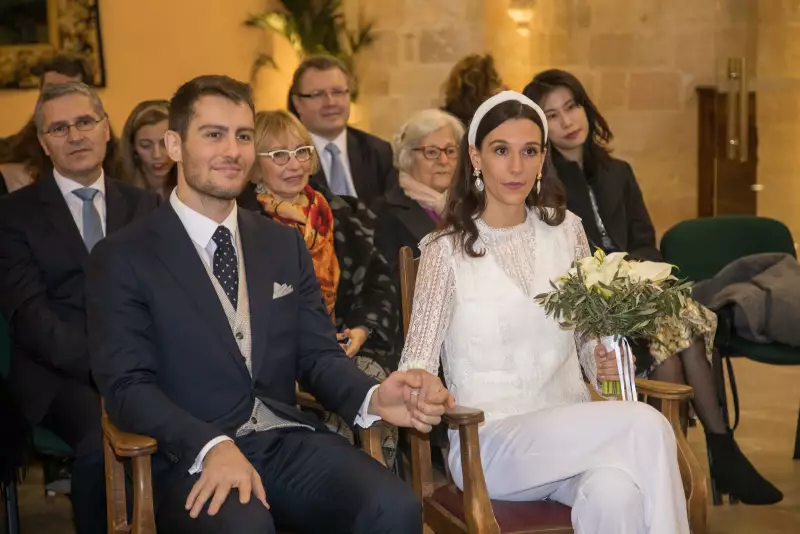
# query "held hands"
(606, 363)
(224, 468)
(352, 339)
(413, 398)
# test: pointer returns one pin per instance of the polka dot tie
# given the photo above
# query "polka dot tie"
(226, 269)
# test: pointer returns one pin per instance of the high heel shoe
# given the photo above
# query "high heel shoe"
(734, 474)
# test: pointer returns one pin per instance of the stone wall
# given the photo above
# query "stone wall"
(418, 42)
(778, 86)
(639, 60)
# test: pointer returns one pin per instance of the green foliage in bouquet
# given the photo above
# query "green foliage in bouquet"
(609, 296)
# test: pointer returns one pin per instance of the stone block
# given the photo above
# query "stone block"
(443, 45)
(655, 91)
(613, 91)
(695, 54)
(385, 50)
(611, 50)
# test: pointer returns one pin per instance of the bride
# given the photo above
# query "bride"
(507, 234)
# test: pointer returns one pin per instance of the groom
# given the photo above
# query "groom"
(202, 317)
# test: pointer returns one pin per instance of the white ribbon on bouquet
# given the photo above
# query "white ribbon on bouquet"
(625, 366)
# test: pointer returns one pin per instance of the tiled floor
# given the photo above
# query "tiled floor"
(770, 397)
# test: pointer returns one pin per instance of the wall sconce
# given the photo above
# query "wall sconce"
(521, 12)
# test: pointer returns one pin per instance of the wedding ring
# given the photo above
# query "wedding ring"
(415, 392)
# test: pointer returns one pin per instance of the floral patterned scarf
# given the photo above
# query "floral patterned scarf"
(312, 216)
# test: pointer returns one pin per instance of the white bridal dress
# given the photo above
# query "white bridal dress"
(615, 463)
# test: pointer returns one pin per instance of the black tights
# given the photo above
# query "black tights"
(690, 366)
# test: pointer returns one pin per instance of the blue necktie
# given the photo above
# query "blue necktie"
(92, 226)
(338, 179)
(226, 267)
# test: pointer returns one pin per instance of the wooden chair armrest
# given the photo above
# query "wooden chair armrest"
(126, 444)
(461, 415)
(664, 390)
(477, 505)
(372, 442)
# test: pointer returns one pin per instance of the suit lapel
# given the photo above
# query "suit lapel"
(178, 253)
(412, 215)
(116, 207)
(358, 167)
(261, 271)
(61, 218)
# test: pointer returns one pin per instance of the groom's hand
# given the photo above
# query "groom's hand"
(224, 468)
(413, 398)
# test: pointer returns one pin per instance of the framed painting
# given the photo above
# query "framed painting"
(33, 31)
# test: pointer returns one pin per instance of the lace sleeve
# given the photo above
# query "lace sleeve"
(433, 305)
(585, 345)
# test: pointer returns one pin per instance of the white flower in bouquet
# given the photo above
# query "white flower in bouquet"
(607, 295)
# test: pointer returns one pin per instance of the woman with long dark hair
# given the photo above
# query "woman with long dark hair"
(506, 234)
(603, 192)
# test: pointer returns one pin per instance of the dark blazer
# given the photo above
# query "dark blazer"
(365, 296)
(371, 164)
(42, 262)
(402, 222)
(162, 350)
(620, 204)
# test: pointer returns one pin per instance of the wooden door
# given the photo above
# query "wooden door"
(725, 186)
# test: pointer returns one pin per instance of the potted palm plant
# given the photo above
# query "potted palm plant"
(313, 27)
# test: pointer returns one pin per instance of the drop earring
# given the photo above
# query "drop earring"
(478, 181)
(539, 184)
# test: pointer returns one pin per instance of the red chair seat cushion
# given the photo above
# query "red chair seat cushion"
(511, 516)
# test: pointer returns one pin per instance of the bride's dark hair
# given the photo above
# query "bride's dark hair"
(465, 203)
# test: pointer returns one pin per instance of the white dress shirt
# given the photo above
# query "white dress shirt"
(326, 159)
(201, 229)
(75, 204)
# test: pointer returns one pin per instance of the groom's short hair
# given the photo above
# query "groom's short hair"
(181, 107)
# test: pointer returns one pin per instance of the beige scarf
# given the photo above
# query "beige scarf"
(425, 196)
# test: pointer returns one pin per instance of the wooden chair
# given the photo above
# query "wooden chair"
(449, 511)
(120, 445)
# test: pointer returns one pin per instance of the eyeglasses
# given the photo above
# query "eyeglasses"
(335, 94)
(433, 152)
(84, 124)
(282, 157)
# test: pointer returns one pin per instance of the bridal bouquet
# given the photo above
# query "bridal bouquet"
(612, 299)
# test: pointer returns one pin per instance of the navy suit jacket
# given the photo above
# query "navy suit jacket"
(162, 350)
(42, 265)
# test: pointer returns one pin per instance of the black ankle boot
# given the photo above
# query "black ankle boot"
(734, 474)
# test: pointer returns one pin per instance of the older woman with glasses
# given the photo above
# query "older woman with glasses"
(426, 153)
(354, 278)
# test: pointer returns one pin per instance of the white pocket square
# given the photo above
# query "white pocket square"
(281, 290)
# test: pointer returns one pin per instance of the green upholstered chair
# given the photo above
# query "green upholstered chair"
(700, 248)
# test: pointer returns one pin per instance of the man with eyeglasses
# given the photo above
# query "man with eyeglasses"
(354, 163)
(46, 232)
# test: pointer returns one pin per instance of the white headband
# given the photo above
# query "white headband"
(499, 98)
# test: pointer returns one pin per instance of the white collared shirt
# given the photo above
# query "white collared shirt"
(75, 204)
(201, 229)
(326, 159)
